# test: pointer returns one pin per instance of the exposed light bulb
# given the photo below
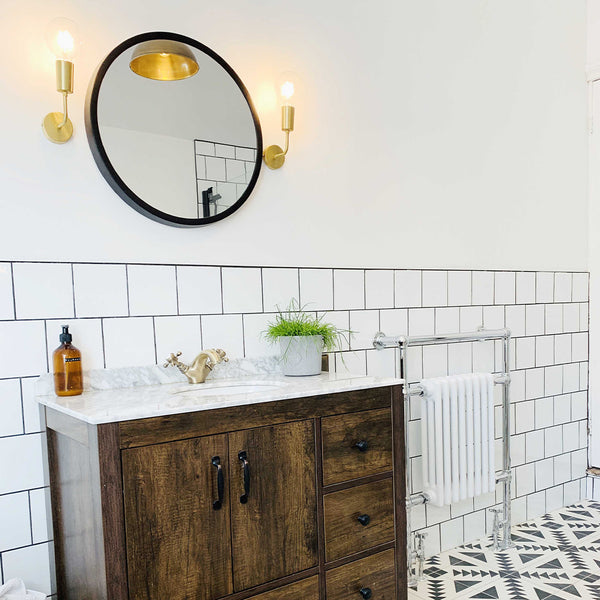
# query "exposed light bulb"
(288, 86)
(62, 38)
(287, 89)
(65, 41)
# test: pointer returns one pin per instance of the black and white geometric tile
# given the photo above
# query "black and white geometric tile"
(556, 557)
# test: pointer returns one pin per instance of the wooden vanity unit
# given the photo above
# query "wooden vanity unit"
(295, 499)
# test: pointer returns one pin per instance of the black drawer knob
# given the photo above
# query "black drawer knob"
(364, 520)
(366, 593)
(362, 445)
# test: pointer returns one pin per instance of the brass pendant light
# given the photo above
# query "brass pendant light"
(163, 60)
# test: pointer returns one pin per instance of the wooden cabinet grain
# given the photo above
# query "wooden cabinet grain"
(170, 492)
(355, 445)
(168, 497)
(275, 530)
(148, 495)
(371, 577)
(358, 518)
(308, 589)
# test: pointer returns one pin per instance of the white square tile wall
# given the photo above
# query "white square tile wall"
(152, 290)
(279, 287)
(199, 290)
(123, 315)
(224, 331)
(100, 290)
(348, 289)
(408, 287)
(316, 289)
(379, 286)
(242, 290)
(435, 288)
(128, 342)
(43, 290)
(459, 288)
(177, 334)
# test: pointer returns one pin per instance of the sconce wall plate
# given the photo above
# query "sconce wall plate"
(274, 157)
(54, 128)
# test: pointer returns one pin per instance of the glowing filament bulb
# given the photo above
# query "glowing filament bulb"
(65, 42)
(287, 90)
(63, 39)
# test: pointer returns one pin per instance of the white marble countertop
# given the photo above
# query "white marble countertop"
(143, 401)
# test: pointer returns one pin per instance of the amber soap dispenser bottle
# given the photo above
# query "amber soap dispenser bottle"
(68, 380)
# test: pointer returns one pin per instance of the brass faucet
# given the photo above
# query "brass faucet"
(202, 365)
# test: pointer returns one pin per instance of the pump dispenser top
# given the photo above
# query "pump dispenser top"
(65, 337)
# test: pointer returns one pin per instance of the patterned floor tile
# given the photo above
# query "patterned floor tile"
(480, 560)
(518, 587)
(556, 557)
(451, 588)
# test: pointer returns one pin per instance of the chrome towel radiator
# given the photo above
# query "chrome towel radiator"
(415, 554)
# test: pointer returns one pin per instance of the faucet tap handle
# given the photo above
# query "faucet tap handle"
(214, 357)
(221, 355)
(172, 360)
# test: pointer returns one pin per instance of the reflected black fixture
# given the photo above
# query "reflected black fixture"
(208, 199)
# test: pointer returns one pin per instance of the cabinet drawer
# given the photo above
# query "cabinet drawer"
(307, 589)
(356, 445)
(376, 573)
(358, 518)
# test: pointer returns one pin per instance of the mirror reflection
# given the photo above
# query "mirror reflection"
(188, 148)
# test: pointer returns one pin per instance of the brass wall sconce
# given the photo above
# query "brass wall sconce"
(61, 37)
(275, 155)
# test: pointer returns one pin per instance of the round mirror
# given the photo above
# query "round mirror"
(173, 130)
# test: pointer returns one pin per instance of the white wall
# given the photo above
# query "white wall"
(430, 134)
(593, 63)
(593, 39)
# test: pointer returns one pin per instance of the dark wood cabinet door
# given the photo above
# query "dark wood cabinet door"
(274, 531)
(178, 545)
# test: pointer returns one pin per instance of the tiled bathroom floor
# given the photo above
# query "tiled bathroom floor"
(557, 557)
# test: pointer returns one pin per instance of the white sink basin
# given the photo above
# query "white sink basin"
(218, 389)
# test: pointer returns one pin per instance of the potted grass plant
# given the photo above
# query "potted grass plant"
(302, 337)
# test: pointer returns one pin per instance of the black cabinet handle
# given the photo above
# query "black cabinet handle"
(362, 446)
(216, 461)
(366, 593)
(364, 520)
(244, 458)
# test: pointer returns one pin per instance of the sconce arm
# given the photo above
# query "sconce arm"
(65, 110)
(287, 145)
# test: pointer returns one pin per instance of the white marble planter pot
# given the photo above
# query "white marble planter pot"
(301, 355)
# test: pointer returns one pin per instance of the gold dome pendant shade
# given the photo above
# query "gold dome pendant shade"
(163, 60)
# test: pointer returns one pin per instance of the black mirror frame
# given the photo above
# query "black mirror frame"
(99, 152)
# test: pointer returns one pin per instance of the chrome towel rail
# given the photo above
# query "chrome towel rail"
(403, 342)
